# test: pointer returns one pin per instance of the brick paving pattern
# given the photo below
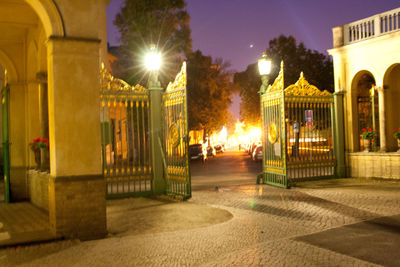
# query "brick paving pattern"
(264, 230)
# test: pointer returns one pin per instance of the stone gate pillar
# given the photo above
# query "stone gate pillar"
(382, 118)
(77, 206)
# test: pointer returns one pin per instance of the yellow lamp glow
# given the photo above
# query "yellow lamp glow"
(153, 60)
(264, 65)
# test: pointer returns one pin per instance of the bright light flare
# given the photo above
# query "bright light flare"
(264, 65)
(153, 61)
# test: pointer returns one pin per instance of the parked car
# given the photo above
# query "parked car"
(219, 148)
(258, 153)
(196, 151)
(211, 151)
(253, 147)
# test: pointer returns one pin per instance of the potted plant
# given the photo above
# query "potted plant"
(38, 145)
(367, 135)
(396, 135)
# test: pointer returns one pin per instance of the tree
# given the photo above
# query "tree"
(317, 68)
(249, 84)
(209, 95)
(164, 23)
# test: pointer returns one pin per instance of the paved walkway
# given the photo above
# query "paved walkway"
(22, 223)
(348, 222)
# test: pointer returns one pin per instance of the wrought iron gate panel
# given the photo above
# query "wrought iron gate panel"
(125, 141)
(177, 169)
(309, 123)
(274, 160)
(298, 136)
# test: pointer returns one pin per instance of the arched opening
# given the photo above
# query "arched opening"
(365, 108)
(391, 83)
(23, 52)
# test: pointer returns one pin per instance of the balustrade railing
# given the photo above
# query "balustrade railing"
(373, 26)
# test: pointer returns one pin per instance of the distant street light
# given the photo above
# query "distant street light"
(264, 67)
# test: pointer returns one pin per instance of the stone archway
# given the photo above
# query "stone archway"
(49, 15)
(7, 64)
(391, 82)
(362, 106)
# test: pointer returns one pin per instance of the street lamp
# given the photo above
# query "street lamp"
(153, 64)
(153, 59)
(264, 67)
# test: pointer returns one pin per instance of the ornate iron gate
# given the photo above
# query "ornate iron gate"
(298, 132)
(177, 170)
(125, 140)
(6, 144)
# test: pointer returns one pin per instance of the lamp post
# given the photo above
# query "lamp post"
(153, 63)
(264, 67)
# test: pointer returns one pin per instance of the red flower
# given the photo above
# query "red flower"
(364, 130)
(35, 148)
(37, 140)
(45, 140)
(393, 131)
(370, 130)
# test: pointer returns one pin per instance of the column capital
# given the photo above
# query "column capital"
(380, 89)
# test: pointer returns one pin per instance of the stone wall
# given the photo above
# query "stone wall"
(39, 188)
(77, 206)
(18, 184)
(373, 165)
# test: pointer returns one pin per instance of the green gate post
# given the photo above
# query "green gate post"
(339, 135)
(156, 92)
(6, 143)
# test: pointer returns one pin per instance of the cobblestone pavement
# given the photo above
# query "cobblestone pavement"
(266, 229)
(23, 222)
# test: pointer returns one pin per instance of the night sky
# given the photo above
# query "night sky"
(239, 30)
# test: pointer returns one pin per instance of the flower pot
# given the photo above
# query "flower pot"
(366, 144)
(44, 159)
(37, 159)
(398, 145)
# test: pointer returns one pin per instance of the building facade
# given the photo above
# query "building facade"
(52, 51)
(366, 57)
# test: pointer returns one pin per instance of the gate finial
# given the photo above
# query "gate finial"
(180, 80)
(279, 81)
(303, 88)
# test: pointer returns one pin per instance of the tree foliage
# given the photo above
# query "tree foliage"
(249, 84)
(164, 23)
(209, 95)
(317, 68)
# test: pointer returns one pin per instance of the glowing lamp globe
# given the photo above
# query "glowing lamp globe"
(153, 60)
(264, 65)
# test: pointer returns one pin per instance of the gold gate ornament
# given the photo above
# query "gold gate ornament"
(173, 135)
(272, 133)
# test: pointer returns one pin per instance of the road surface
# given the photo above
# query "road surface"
(225, 169)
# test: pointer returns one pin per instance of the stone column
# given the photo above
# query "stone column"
(43, 104)
(77, 206)
(18, 141)
(382, 118)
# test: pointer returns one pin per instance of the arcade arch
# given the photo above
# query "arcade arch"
(361, 87)
(391, 83)
(23, 53)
